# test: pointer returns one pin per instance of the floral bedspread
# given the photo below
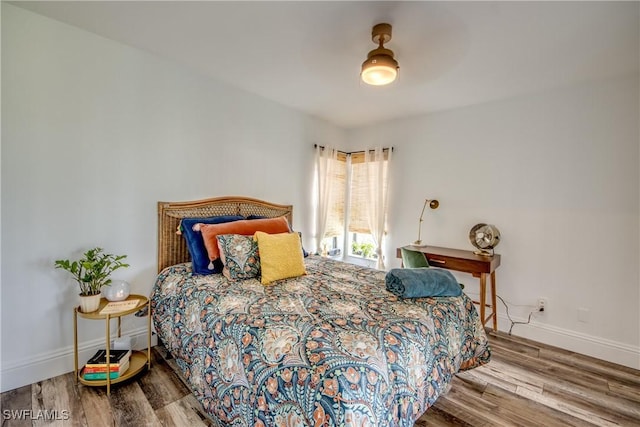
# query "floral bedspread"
(331, 348)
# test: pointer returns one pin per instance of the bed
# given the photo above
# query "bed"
(329, 348)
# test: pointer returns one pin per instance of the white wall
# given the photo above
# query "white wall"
(558, 174)
(94, 134)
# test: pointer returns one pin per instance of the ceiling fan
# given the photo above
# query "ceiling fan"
(380, 67)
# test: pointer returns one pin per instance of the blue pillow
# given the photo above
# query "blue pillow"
(195, 244)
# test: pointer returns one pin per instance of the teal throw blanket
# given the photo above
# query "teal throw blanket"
(422, 282)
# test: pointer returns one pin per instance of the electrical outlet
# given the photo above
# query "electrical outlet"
(542, 304)
(583, 315)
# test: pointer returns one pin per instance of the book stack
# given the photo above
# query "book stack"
(96, 368)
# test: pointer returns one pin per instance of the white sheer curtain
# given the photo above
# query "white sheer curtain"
(326, 161)
(377, 165)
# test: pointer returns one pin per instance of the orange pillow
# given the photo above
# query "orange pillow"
(245, 227)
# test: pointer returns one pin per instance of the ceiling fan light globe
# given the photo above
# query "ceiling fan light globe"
(379, 76)
(379, 70)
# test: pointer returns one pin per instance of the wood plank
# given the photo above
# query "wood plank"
(160, 385)
(55, 402)
(565, 408)
(550, 371)
(182, 412)
(569, 358)
(507, 377)
(96, 405)
(515, 345)
(162, 353)
(468, 380)
(435, 417)
(622, 374)
(130, 406)
(197, 407)
(624, 391)
(468, 407)
(516, 409)
(590, 388)
(606, 407)
(16, 401)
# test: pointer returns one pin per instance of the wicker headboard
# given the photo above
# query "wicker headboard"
(172, 249)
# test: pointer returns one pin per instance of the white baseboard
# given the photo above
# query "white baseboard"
(600, 348)
(49, 365)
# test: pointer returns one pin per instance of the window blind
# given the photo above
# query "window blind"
(358, 216)
(335, 220)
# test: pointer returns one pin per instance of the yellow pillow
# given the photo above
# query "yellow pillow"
(280, 256)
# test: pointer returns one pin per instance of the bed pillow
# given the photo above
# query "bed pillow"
(244, 227)
(195, 243)
(239, 254)
(280, 256)
(304, 252)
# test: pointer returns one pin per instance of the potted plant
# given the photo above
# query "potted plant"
(92, 272)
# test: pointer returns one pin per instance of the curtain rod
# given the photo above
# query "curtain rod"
(348, 153)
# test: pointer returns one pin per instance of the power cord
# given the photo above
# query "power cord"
(513, 322)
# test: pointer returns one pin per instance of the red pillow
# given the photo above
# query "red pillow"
(246, 227)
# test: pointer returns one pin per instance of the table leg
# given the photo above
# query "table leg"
(493, 301)
(149, 334)
(75, 343)
(483, 297)
(108, 347)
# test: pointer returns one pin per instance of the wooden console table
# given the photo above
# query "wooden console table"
(468, 262)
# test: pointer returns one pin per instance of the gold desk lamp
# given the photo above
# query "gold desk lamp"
(433, 204)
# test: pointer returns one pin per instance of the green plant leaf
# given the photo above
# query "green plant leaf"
(93, 270)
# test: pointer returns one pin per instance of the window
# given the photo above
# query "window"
(349, 209)
(362, 246)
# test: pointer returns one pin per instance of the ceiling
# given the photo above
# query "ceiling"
(307, 55)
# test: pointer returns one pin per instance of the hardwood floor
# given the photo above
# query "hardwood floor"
(525, 384)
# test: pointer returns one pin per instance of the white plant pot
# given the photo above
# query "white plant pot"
(89, 303)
